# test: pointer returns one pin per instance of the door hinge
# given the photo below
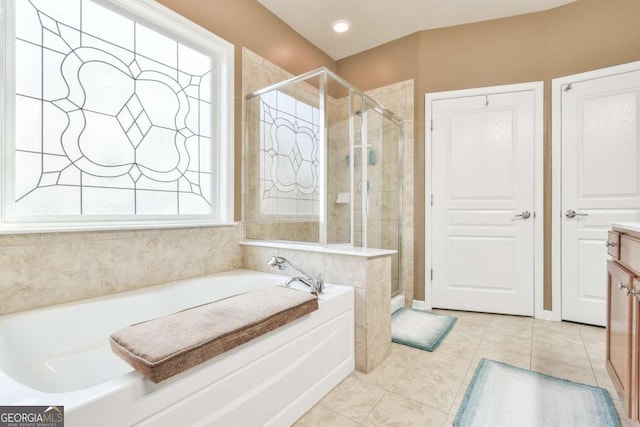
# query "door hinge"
(432, 274)
(431, 124)
(431, 199)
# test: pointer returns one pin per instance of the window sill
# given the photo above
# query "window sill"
(96, 226)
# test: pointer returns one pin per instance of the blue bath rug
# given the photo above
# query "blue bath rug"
(420, 329)
(504, 395)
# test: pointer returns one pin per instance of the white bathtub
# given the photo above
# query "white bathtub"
(60, 355)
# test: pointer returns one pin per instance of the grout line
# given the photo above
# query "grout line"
(584, 345)
(331, 410)
(475, 353)
(531, 349)
(392, 383)
(373, 407)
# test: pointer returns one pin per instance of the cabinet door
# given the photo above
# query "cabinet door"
(635, 363)
(620, 331)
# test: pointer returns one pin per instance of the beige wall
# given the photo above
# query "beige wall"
(581, 36)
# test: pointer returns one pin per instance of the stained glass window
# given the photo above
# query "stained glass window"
(289, 144)
(112, 118)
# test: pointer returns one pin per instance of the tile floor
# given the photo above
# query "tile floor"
(418, 388)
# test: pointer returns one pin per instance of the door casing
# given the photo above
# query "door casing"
(538, 90)
(556, 175)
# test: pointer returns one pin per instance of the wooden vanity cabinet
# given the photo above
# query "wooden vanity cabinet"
(620, 330)
(635, 356)
(623, 318)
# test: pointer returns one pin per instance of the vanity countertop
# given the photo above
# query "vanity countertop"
(631, 226)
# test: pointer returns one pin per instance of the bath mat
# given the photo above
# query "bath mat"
(504, 395)
(420, 329)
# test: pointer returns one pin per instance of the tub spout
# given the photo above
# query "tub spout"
(316, 286)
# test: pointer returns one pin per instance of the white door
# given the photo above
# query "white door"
(600, 184)
(482, 225)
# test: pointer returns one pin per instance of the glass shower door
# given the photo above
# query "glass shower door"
(382, 216)
(391, 189)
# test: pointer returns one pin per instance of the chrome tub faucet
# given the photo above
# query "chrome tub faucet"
(316, 286)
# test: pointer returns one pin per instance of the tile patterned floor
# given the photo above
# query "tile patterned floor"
(418, 388)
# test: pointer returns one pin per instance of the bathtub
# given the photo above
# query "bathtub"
(60, 355)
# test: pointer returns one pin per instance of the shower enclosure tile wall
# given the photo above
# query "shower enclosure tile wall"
(386, 217)
(399, 97)
(307, 153)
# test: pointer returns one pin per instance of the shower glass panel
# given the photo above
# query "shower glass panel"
(322, 165)
(359, 174)
(380, 144)
(284, 151)
(339, 164)
(391, 196)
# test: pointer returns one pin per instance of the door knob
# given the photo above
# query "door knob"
(572, 214)
(523, 215)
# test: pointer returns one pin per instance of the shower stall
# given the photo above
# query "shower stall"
(323, 165)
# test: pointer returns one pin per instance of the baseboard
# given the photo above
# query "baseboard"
(397, 303)
(548, 315)
(420, 305)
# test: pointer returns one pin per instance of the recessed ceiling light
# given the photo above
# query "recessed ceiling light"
(341, 25)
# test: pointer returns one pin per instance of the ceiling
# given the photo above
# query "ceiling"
(375, 22)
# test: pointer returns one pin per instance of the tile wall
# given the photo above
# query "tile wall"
(369, 276)
(398, 98)
(37, 270)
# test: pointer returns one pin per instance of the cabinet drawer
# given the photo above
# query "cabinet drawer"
(613, 244)
(629, 252)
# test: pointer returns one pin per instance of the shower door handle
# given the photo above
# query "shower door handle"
(368, 186)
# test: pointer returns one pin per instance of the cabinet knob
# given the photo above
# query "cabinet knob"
(626, 290)
(611, 244)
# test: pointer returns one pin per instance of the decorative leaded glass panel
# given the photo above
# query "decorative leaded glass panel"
(111, 117)
(289, 144)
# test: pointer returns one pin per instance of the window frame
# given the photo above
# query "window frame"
(167, 22)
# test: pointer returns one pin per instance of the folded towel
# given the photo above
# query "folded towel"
(166, 346)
